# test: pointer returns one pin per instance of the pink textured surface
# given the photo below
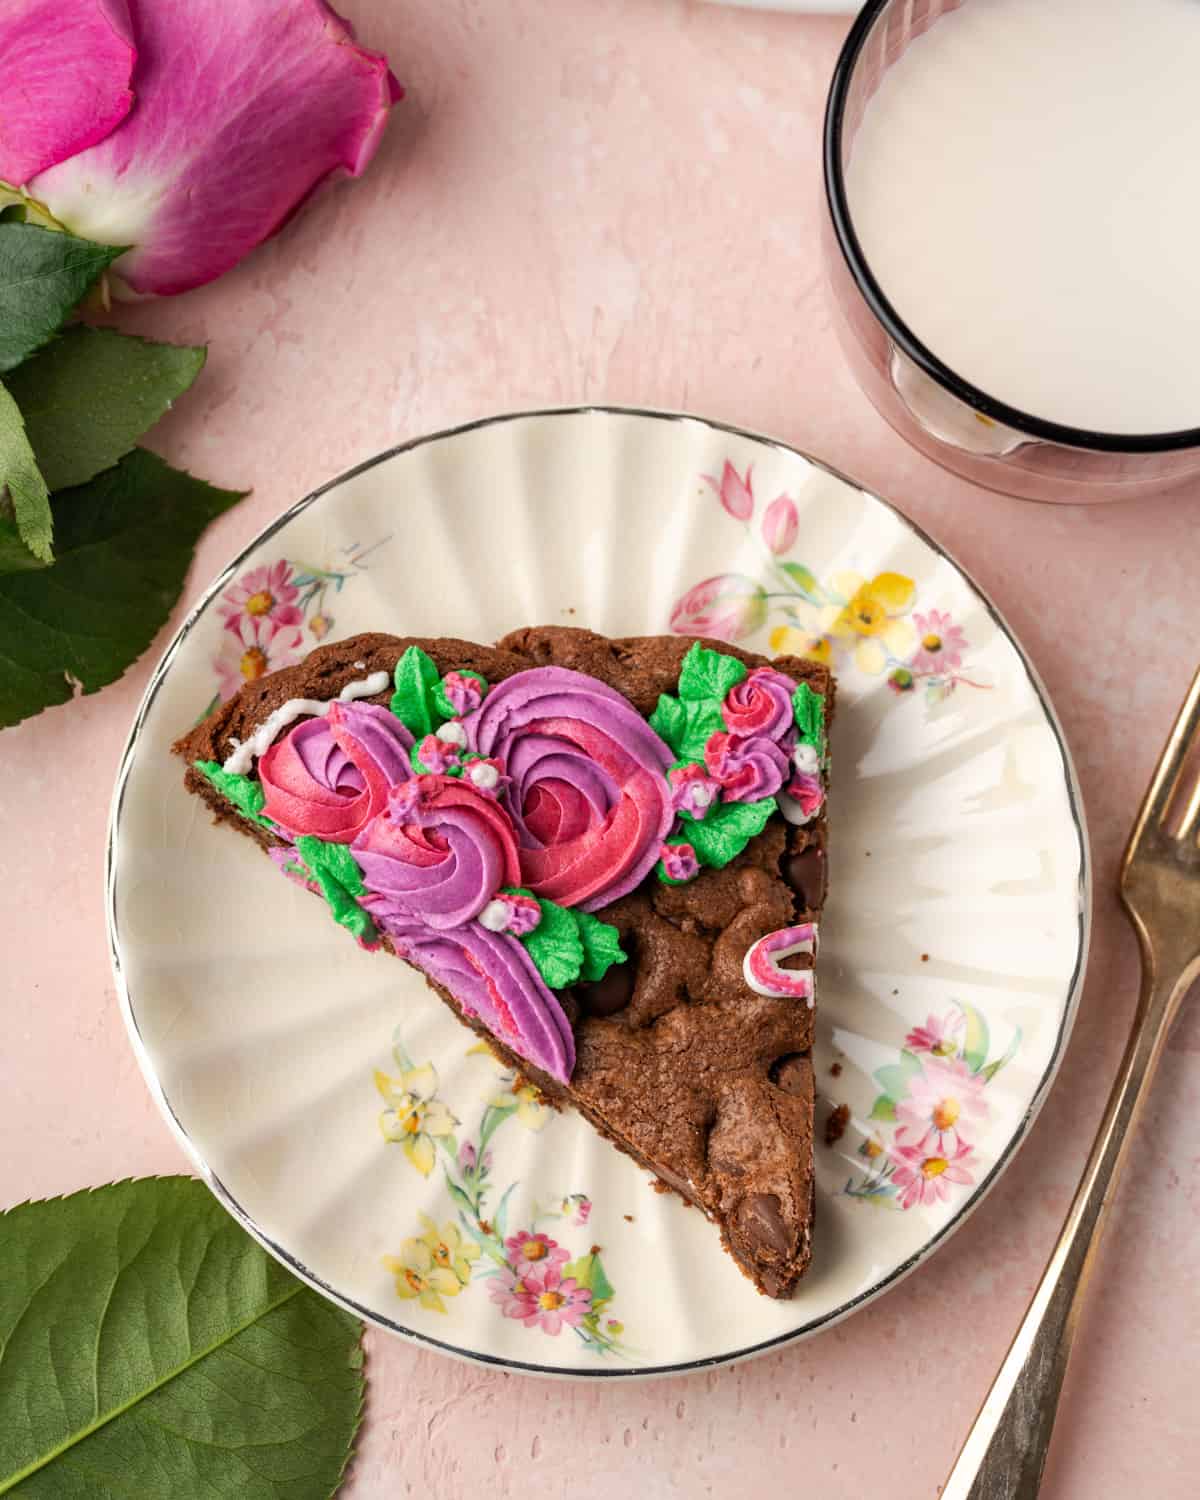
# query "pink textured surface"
(620, 200)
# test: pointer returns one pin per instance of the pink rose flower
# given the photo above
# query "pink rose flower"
(945, 1100)
(780, 525)
(924, 1174)
(804, 797)
(679, 862)
(735, 493)
(437, 756)
(240, 109)
(749, 767)
(693, 790)
(727, 607)
(266, 591)
(534, 1252)
(463, 691)
(761, 704)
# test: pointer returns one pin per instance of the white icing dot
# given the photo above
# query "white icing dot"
(792, 810)
(484, 776)
(494, 916)
(452, 733)
(702, 795)
(806, 760)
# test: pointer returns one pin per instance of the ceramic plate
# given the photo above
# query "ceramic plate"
(953, 941)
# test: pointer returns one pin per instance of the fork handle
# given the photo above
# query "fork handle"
(1005, 1451)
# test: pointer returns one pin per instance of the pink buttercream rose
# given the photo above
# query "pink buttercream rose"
(749, 767)
(761, 704)
(330, 776)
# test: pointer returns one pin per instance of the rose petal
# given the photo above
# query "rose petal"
(243, 108)
(67, 65)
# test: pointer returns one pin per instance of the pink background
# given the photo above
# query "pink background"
(619, 200)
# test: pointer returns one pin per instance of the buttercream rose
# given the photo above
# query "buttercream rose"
(440, 851)
(330, 776)
(492, 978)
(761, 704)
(749, 768)
(588, 789)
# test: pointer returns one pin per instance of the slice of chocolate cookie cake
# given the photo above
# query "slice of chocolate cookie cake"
(606, 856)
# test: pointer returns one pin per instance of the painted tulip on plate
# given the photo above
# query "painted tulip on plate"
(780, 525)
(735, 492)
(241, 108)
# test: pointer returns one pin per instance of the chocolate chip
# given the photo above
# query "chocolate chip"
(790, 1073)
(760, 1219)
(806, 874)
(608, 996)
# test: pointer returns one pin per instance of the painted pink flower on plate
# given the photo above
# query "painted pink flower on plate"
(727, 607)
(781, 525)
(941, 643)
(512, 1296)
(67, 68)
(924, 1174)
(243, 108)
(735, 493)
(267, 592)
(555, 1301)
(939, 1035)
(255, 646)
(534, 1252)
(944, 1103)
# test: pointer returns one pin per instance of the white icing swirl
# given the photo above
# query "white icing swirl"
(239, 761)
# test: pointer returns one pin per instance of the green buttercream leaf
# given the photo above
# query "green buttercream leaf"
(554, 944)
(340, 880)
(669, 721)
(809, 709)
(416, 679)
(726, 829)
(443, 704)
(601, 946)
(703, 721)
(246, 795)
(708, 674)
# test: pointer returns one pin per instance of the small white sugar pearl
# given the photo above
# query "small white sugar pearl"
(494, 916)
(484, 776)
(452, 733)
(806, 760)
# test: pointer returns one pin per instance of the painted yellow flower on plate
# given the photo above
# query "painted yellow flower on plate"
(872, 623)
(449, 1249)
(532, 1110)
(414, 1116)
(418, 1275)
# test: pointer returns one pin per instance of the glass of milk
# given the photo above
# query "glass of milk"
(1014, 236)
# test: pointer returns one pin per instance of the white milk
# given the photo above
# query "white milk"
(1026, 189)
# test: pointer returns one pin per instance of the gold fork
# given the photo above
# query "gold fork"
(1005, 1451)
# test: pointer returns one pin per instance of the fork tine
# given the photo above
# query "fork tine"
(1166, 774)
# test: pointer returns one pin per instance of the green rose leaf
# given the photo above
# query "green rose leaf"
(726, 829)
(44, 275)
(124, 542)
(554, 944)
(23, 490)
(339, 878)
(708, 674)
(809, 710)
(703, 721)
(15, 556)
(601, 946)
(150, 1347)
(245, 794)
(89, 395)
(416, 680)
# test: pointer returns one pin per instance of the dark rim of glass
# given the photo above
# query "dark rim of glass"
(895, 327)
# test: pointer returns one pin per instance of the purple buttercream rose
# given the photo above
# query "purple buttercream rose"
(492, 977)
(761, 704)
(587, 783)
(748, 768)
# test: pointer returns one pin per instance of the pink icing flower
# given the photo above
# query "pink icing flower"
(805, 796)
(330, 776)
(727, 607)
(263, 593)
(555, 1301)
(439, 852)
(256, 646)
(693, 790)
(588, 792)
(780, 525)
(513, 913)
(679, 862)
(68, 65)
(939, 1035)
(761, 704)
(437, 756)
(243, 107)
(749, 767)
(942, 643)
(944, 1101)
(534, 1252)
(735, 492)
(923, 1174)
(464, 692)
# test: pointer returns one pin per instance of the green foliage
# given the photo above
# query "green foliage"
(23, 490)
(726, 829)
(149, 1347)
(43, 277)
(246, 794)
(417, 684)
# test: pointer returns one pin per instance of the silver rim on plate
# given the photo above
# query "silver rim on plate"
(816, 1324)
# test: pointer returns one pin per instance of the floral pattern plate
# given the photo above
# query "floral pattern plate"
(345, 1117)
